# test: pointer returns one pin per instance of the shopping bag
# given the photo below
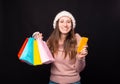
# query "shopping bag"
(48, 53)
(27, 54)
(35, 52)
(36, 55)
(22, 48)
(82, 43)
(45, 54)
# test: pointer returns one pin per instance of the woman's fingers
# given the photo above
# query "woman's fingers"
(40, 35)
(83, 53)
(37, 35)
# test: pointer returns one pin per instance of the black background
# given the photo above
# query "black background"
(97, 19)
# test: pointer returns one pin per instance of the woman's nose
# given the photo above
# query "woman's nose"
(65, 24)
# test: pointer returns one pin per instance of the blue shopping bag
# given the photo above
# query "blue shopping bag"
(27, 54)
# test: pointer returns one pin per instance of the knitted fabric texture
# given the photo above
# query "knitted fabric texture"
(61, 14)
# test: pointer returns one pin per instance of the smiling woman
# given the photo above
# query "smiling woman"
(63, 43)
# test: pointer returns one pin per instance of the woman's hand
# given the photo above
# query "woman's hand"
(37, 35)
(83, 53)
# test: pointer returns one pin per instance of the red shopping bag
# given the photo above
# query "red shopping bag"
(22, 47)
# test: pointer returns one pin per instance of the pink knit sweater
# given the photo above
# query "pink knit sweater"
(64, 70)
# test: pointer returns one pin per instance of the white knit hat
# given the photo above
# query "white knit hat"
(64, 13)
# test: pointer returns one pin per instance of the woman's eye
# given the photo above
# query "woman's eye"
(68, 21)
(61, 21)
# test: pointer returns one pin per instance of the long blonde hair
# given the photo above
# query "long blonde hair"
(69, 43)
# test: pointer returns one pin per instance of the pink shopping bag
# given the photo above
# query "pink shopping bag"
(45, 53)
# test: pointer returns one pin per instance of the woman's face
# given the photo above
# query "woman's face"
(64, 24)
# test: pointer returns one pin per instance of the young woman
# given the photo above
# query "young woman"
(63, 43)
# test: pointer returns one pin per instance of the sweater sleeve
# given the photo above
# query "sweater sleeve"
(80, 62)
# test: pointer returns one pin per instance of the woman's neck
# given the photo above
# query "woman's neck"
(62, 38)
